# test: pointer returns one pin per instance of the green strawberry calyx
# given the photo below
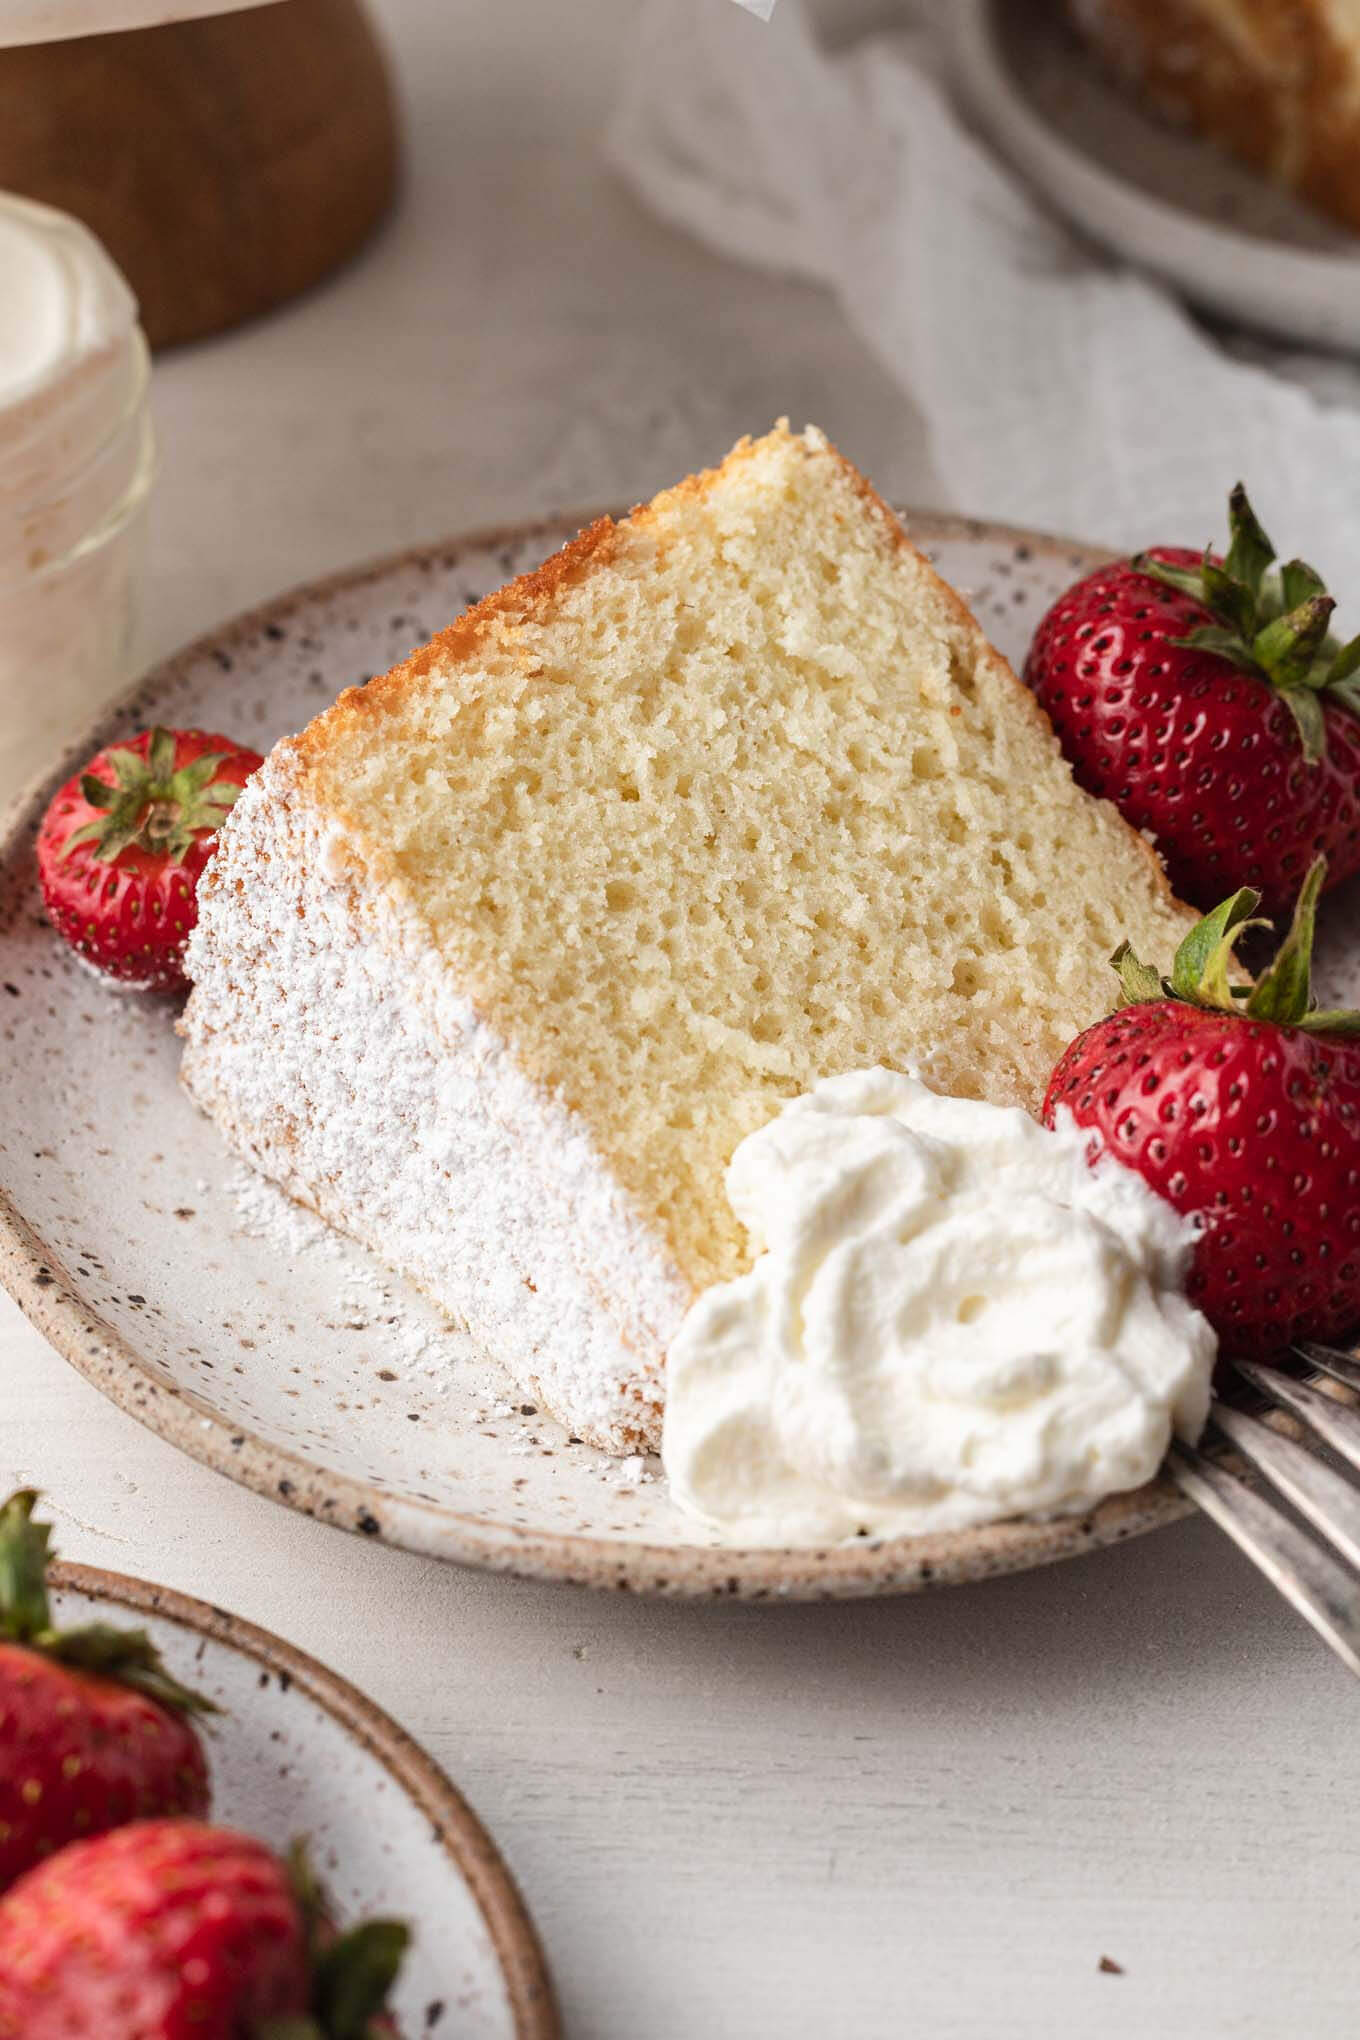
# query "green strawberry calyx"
(127, 1656)
(1272, 622)
(351, 1974)
(1203, 972)
(152, 806)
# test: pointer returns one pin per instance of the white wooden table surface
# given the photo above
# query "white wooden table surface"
(929, 1817)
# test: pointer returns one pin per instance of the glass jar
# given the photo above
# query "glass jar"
(77, 460)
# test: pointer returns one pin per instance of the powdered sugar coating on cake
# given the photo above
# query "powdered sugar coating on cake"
(328, 1042)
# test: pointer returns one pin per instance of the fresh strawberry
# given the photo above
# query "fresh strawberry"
(93, 1730)
(123, 844)
(173, 1930)
(1205, 698)
(1240, 1104)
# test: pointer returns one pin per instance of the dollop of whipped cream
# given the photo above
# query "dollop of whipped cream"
(953, 1319)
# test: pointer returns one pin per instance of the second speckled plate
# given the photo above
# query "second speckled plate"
(296, 1751)
(196, 1297)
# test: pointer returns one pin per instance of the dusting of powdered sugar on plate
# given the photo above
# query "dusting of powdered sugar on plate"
(265, 1213)
(366, 1298)
(369, 1299)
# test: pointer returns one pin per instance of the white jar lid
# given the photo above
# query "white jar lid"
(73, 376)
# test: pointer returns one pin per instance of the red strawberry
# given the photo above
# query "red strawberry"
(173, 1930)
(93, 1730)
(123, 844)
(1206, 700)
(1241, 1106)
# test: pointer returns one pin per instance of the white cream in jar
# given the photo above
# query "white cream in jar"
(76, 461)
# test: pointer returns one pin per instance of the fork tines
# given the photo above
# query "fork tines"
(1322, 1588)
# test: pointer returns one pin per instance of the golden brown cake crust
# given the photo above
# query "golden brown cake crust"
(533, 594)
(1283, 94)
(516, 602)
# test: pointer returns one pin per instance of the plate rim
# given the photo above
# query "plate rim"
(35, 1277)
(1137, 224)
(466, 1841)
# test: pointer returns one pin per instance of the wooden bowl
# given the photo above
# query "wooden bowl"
(225, 163)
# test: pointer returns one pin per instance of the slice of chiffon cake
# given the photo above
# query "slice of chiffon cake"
(500, 958)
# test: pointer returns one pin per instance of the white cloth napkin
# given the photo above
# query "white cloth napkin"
(1060, 389)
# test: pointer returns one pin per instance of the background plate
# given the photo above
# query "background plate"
(1226, 237)
(238, 1327)
(300, 1752)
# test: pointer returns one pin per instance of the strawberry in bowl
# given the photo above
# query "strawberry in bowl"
(1240, 1104)
(175, 1930)
(94, 1731)
(123, 845)
(1208, 700)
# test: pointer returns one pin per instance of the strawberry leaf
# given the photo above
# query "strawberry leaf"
(1287, 648)
(1199, 951)
(1251, 552)
(160, 757)
(1283, 994)
(1306, 710)
(1185, 580)
(1347, 694)
(1216, 987)
(190, 780)
(1228, 644)
(351, 1980)
(1200, 973)
(24, 1552)
(127, 1655)
(1333, 1020)
(1138, 982)
(351, 1973)
(92, 832)
(129, 768)
(113, 842)
(1346, 665)
(1227, 597)
(97, 792)
(1299, 583)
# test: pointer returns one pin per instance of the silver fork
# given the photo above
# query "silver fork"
(1319, 1585)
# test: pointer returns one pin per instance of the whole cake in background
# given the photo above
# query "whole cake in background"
(1275, 81)
(501, 958)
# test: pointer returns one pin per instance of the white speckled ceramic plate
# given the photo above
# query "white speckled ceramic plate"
(297, 1751)
(242, 1330)
(1229, 239)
